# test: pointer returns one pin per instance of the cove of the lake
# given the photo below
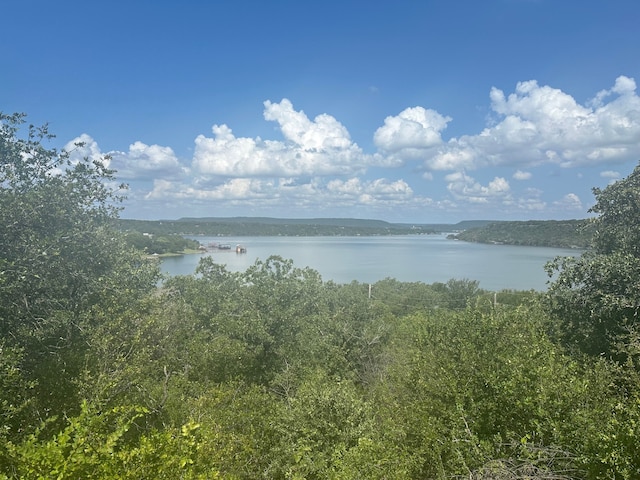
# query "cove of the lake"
(407, 258)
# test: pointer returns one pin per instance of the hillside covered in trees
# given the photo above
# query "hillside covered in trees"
(274, 373)
(159, 244)
(535, 233)
(264, 226)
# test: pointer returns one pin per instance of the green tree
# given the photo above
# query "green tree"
(597, 296)
(458, 294)
(105, 445)
(59, 260)
(471, 391)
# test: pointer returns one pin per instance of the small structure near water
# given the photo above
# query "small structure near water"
(225, 246)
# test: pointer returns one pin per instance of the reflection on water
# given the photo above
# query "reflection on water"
(424, 258)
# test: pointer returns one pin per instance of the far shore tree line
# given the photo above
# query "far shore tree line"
(538, 233)
(275, 373)
(534, 233)
(158, 244)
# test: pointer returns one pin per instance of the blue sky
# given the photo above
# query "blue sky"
(406, 111)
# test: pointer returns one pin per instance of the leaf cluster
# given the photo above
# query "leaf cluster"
(596, 296)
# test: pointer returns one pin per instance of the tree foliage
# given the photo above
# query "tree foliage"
(152, 244)
(597, 296)
(59, 259)
(539, 233)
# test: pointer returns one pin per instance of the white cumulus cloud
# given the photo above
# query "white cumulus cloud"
(314, 195)
(317, 147)
(146, 161)
(464, 187)
(409, 133)
(368, 192)
(540, 124)
(323, 133)
(141, 161)
(234, 189)
(84, 146)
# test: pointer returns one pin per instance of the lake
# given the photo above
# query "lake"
(407, 258)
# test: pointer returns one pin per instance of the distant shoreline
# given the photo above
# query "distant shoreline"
(543, 233)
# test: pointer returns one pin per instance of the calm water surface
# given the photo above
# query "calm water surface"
(424, 258)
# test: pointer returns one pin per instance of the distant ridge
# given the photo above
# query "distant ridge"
(460, 226)
(339, 222)
(271, 226)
